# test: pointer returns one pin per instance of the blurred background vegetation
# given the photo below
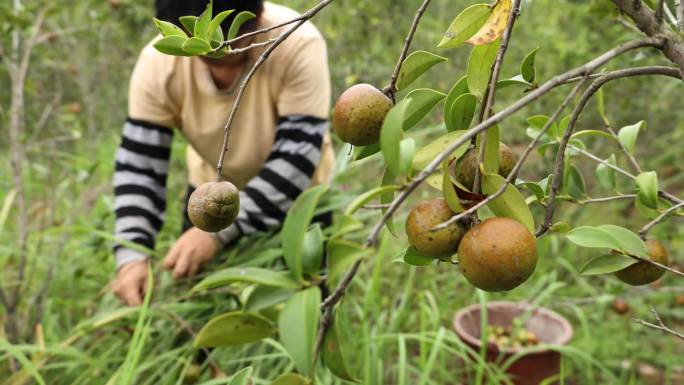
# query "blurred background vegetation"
(75, 106)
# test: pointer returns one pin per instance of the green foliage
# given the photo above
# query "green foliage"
(234, 328)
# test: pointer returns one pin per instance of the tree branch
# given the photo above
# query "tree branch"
(646, 21)
(391, 88)
(559, 166)
(644, 230)
(299, 22)
(660, 326)
(680, 14)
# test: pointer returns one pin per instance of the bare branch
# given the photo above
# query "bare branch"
(252, 46)
(491, 88)
(659, 11)
(644, 230)
(680, 14)
(518, 165)
(531, 96)
(391, 88)
(606, 199)
(660, 326)
(559, 166)
(226, 130)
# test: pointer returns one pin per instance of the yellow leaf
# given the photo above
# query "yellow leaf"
(494, 26)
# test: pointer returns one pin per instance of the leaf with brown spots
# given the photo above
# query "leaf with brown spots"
(494, 26)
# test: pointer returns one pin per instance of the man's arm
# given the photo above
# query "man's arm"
(266, 198)
(142, 162)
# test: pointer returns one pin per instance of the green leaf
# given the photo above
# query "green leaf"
(346, 224)
(589, 236)
(189, 22)
(573, 182)
(527, 68)
(388, 178)
(491, 158)
(495, 24)
(647, 189)
(458, 89)
(510, 204)
(202, 24)
(263, 297)
(628, 240)
(239, 20)
(342, 254)
(333, 353)
(628, 135)
(412, 257)
(423, 100)
(26, 363)
(168, 29)
(255, 275)
(415, 65)
(407, 150)
(606, 175)
(234, 328)
(295, 225)
(298, 324)
(605, 264)
(560, 228)
(536, 189)
(362, 152)
(602, 106)
(215, 25)
(462, 111)
(368, 196)
(171, 45)
(391, 134)
(243, 377)
(449, 191)
(427, 153)
(196, 46)
(514, 81)
(465, 25)
(312, 250)
(291, 379)
(480, 66)
(579, 134)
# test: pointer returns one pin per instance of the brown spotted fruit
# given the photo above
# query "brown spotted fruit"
(359, 113)
(437, 244)
(643, 273)
(498, 254)
(465, 167)
(213, 206)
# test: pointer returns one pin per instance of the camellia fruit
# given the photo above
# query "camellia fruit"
(642, 273)
(498, 254)
(465, 167)
(359, 113)
(213, 206)
(437, 244)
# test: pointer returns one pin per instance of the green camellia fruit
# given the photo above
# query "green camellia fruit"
(422, 218)
(465, 167)
(642, 273)
(498, 254)
(359, 113)
(213, 206)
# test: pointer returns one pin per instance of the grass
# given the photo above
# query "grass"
(396, 318)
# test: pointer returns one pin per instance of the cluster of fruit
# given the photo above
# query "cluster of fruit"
(497, 254)
(507, 337)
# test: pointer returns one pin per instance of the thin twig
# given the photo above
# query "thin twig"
(606, 199)
(226, 130)
(252, 46)
(680, 14)
(491, 89)
(391, 88)
(659, 11)
(518, 165)
(531, 96)
(660, 326)
(557, 175)
(644, 230)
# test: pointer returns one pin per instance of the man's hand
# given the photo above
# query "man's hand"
(131, 282)
(192, 250)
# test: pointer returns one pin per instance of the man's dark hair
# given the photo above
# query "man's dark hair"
(171, 10)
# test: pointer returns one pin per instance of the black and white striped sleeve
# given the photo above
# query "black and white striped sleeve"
(287, 172)
(142, 162)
